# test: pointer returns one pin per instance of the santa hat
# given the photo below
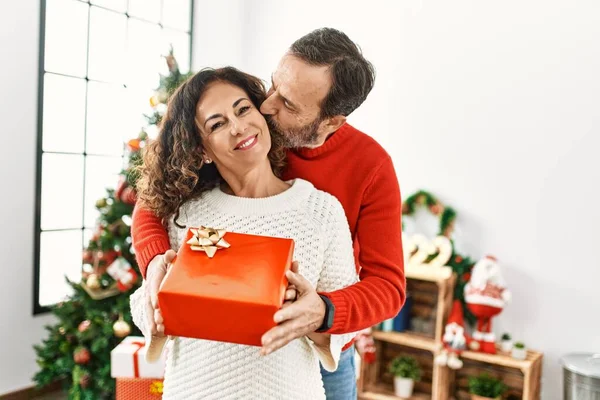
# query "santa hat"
(456, 314)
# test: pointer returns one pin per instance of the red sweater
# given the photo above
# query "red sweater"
(357, 170)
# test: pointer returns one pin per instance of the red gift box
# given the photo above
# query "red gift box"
(229, 294)
(139, 389)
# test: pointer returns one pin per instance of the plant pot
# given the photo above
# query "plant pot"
(403, 387)
(477, 397)
(519, 354)
(506, 346)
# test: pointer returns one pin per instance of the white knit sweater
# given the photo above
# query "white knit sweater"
(201, 369)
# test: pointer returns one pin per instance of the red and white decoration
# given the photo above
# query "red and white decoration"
(455, 339)
(486, 295)
(120, 270)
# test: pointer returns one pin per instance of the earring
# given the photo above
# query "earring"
(207, 161)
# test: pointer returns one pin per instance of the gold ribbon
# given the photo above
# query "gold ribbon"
(208, 240)
(156, 387)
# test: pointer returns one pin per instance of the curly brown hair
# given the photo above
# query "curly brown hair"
(173, 171)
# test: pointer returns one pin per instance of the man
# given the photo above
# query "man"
(321, 80)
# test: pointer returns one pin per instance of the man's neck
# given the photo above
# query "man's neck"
(321, 142)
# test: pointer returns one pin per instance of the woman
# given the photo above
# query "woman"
(215, 163)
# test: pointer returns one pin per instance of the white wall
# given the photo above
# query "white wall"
(493, 106)
(19, 330)
(218, 32)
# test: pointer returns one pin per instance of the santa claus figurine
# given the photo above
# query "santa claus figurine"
(486, 296)
(455, 340)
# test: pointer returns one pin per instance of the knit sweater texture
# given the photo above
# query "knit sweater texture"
(354, 168)
(203, 369)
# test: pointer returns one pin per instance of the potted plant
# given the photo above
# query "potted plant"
(506, 343)
(406, 372)
(486, 387)
(519, 352)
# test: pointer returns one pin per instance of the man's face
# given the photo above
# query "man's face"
(293, 104)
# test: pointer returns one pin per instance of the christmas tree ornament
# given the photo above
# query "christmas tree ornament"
(485, 296)
(125, 276)
(93, 282)
(85, 381)
(84, 326)
(61, 330)
(87, 257)
(121, 328)
(101, 203)
(128, 196)
(81, 355)
(134, 145)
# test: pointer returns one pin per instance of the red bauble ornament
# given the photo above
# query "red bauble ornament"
(81, 356)
(128, 196)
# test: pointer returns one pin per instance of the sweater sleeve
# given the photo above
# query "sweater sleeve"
(149, 236)
(381, 291)
(339, 271)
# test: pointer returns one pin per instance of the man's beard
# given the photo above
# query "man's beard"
(294, 138)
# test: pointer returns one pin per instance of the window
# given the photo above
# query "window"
(99, 64)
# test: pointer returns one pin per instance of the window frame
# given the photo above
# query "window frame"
(37, 307)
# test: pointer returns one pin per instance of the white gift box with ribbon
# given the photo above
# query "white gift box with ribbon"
(128, 360)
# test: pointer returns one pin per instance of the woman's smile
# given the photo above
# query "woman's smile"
(248, 143)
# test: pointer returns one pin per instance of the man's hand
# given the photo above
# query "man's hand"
(155, 274)
(295, 319)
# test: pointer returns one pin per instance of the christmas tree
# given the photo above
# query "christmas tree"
(96, 317)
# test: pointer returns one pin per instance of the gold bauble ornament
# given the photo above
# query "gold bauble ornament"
(121, 328)
(93, 282)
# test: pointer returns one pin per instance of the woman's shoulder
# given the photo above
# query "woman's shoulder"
(323, 205)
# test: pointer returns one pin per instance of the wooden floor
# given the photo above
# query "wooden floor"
(52, 396)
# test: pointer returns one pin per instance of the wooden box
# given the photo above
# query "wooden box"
(376, 383)
(521, 376)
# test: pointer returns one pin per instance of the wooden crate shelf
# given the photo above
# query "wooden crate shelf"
(521, 376)
(377, 383)
(432, 293)
(408, 339)
(386, 393)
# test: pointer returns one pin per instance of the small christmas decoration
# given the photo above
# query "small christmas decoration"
(81, 355)
(365, 345)
(486, 296)
(455, 339)
(121, 328)
(125, 276)
(93, 282)
(85, 381)
(84, 325)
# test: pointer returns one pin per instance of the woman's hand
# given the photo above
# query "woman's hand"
(157, 269)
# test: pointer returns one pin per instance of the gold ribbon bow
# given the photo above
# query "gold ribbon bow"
(208, 240)
(156, 387)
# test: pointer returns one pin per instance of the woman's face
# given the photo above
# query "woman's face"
(234, 133)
